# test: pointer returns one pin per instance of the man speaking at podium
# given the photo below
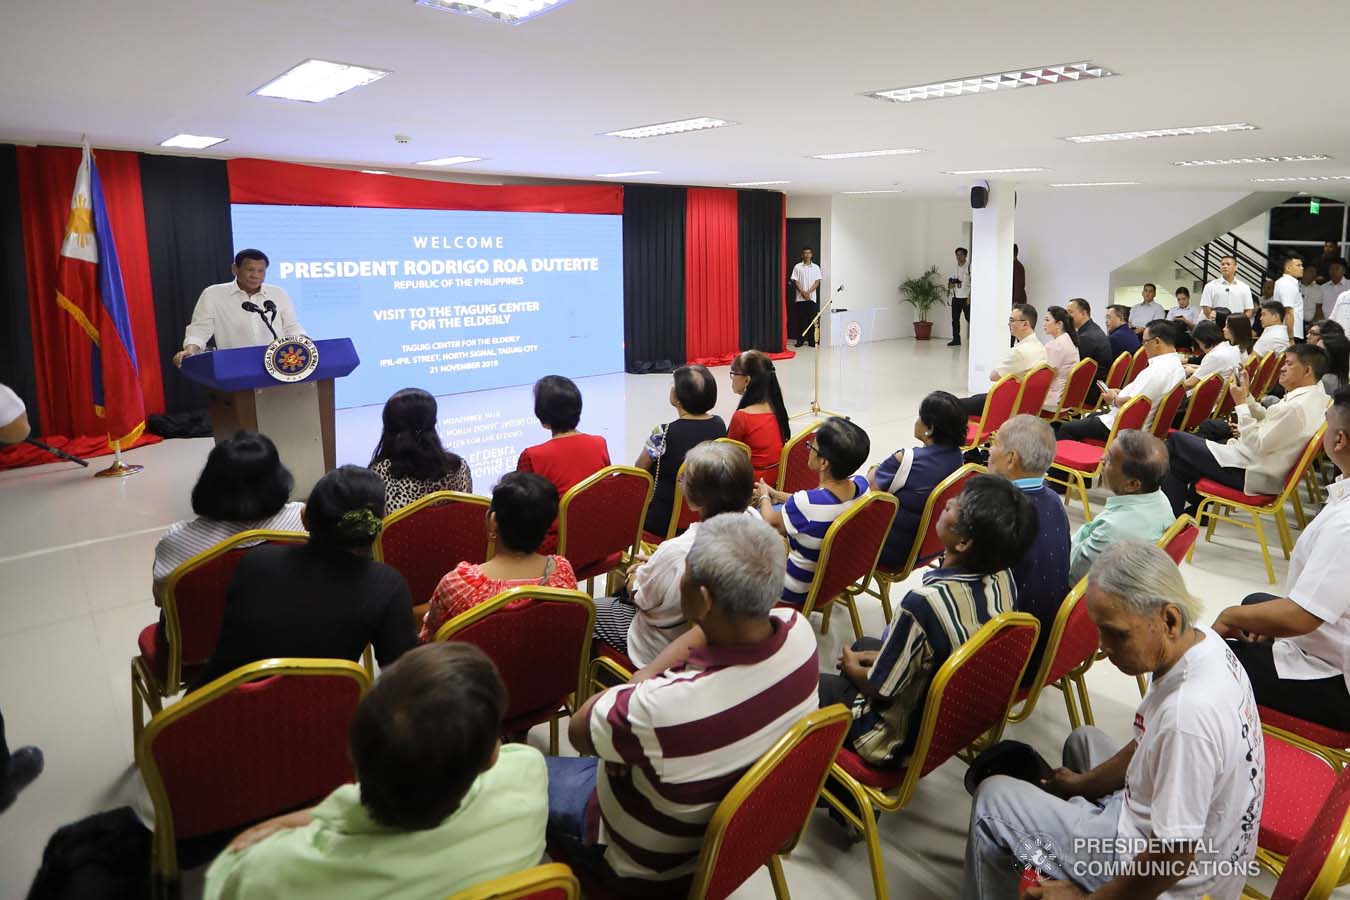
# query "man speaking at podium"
(234, 312)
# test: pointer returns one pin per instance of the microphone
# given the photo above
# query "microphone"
(271, 308)
(250, 306)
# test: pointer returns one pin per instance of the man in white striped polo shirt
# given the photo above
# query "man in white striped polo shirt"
(675, 741)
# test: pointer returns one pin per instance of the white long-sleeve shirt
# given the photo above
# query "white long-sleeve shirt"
(1270, 440)
(1162, 373)
(218, 312)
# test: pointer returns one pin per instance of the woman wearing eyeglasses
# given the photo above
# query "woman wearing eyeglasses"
(761, 419)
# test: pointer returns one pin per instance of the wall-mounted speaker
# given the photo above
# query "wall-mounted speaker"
(979, 195)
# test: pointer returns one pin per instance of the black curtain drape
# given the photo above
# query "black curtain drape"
(653, 278)
(188, 233)
(760, 263)
(16, 330)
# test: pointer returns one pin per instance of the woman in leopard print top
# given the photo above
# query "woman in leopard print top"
(409, 456)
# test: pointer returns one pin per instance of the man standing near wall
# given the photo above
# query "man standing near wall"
(1227, 291)
(806, 283)
(1019, 284)
(1290, 297)
(958, 285)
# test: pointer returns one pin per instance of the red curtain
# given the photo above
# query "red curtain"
(61, 351)
(711, 278)
(292, 184)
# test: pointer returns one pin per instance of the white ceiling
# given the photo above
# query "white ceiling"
(532, 98)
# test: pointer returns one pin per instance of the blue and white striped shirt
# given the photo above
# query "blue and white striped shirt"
(807, 515)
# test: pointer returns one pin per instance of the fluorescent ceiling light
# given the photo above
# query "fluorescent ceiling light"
(628, 174)
(1092, 183)
(375, 171)
(996, 171)
(1248, 160)
(450, 161)
(997, 81)
(1159, 133)
(316, 80)
(756, 183)
(192, 141)
(870, 192)
(861, 154)
(510, 12)
(1307, 178)
(700, 123)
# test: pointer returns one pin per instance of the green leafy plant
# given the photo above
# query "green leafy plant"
(923, 292)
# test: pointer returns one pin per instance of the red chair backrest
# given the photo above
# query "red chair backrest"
(852, 544)
(1137, 365)
(1270, 371)
(1203, 400)
(767, 809)
(1133, 414)
(1119, 371)
(1077, 385)
(1310, 451)
(1077, 643)
(427, 539)
(1035, 385)
(603, 515)
(998, 406)
(540, 647)
(793, 474)
(1253, 366)
(1225, 405)
(928, 544)
(1167, 410)
(1179, 539)
(260, 749)
(1327, 841)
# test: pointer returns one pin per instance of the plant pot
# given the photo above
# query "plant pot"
(923, 331)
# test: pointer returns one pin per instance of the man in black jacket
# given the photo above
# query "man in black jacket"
(1092, 343)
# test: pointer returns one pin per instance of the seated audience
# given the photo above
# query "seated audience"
(1266, 443)
(440, 804)
(693, 394)
(1023, 451)
(1274, 335)
(523, 506)
(760, 420)
(1061, 352)
(1160, 376)
(570, 456)
(911, 475)
(1237, 330)
(1318, 330)
(1220, 357)
(1219, 315)
(1134, 469)
(325, 599)
(836, 450)
(1294, 647)
(717, 479)
(1187, 789)
(1122, 337)
(1184, 311)
(1026, 354)
(1146, 310)
(409, 455)
(985, 530)
(675, 740)
(1092, 342)
(243, 487)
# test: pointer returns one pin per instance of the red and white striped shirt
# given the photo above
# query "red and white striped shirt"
(683, 739)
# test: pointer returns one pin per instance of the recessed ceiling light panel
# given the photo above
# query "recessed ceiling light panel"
(1306, 178)
(1159, 133)
(1251, 160)
(192, 141)
(317, 80)
(864, 154)
(450, 161)
(1014, 171)
(1074, 184)
(634, 174)
(756, 183)
(699, 123)
(1066, 73)
(509, 12)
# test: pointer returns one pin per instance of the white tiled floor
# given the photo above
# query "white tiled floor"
(75, 556)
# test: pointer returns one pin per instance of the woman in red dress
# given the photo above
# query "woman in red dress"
(761, 419)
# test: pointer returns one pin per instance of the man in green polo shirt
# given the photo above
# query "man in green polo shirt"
(440, 805)
(1134, 469)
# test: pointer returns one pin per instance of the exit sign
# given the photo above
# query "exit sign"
(1314, 207)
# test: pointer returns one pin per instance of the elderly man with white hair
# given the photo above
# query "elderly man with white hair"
(1175, 812)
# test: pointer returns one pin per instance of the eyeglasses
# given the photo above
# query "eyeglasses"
(1013, 320)
(735, 373)
(811, 445)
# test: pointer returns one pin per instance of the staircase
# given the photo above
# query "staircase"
(1202, 263)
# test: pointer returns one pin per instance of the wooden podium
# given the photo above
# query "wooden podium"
(297, 415)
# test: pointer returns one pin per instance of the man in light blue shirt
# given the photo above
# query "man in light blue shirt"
(1135, 468)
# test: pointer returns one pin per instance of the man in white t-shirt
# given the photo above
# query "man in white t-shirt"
(958, 287)
(1336, 284)
(1146, 310)
(1289, 296)
(1175, 813)
(806, 297)
(1227, 291)
(220, 311)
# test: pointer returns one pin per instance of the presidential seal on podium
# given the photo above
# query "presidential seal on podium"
(291, 359)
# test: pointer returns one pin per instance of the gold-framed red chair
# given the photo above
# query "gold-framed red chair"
(999, 404)
(927, 544)
(1216, 500)
(1082, 461)
(1138, 362)
(1119, 374)
(848, 554)
(968, 701)
(551, 881)
(193, 600)
(1204, 400)
(431, 536)
(1035, 387)
(793, 474)
(1225, 404)
(264, 739)
(1253, 367)
(1076, 387)
(742, 445)
(1179, 538)
(1331, 744)
(1168, 408)
(600, 520)
(1268, 375)
(681, 516)
(1069, 653)
(540, 639)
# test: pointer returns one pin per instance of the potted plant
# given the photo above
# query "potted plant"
(923, 292)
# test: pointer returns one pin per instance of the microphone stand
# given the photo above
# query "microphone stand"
(55, 452)
(815, 409)
(250, 306)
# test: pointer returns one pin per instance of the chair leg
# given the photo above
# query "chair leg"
(825, 618)
(1084, 699)
(1081, 484)
(1282, 525)
(553, 736)
(885, 589)
(853, 616)
(776, 877)
(1143, 685)
(1070, 703)
(1212, 519)
(1299, 515)
(1265, 550)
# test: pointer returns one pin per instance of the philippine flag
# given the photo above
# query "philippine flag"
(89, 288)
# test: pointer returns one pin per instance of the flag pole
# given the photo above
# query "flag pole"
(118, 469)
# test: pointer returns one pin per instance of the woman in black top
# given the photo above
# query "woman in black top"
(693, 394)
(326, 599)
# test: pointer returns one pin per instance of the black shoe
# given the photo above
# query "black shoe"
(25, 765)
(954, 343)
(798, 344)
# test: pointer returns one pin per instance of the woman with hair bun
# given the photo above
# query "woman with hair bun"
(326, 599)
(410, 457)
